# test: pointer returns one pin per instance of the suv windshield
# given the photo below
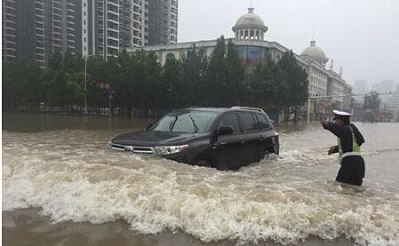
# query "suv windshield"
(189, 121)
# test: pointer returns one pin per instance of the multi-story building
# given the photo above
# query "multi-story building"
(162, 21)
(9, 29)
(106, 26)
(35, 29)
(315, 62)
(392, 103)
(249, 33)
(112, 25)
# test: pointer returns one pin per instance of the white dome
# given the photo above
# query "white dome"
(250, 20)
(315, 53)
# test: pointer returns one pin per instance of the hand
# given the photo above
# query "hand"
(332, 150)
(323, 123)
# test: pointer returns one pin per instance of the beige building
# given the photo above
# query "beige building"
(249, 39)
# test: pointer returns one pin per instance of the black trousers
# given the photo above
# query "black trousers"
(352, 170)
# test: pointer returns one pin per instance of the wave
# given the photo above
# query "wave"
(286, 199)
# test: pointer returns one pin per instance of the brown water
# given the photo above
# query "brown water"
(62, 186)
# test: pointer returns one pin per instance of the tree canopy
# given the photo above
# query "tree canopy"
(139, 80)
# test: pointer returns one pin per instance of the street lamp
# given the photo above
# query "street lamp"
(85, 57)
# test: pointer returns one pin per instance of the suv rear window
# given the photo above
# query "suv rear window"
(248, 121)
(253, 122)
(262, 122)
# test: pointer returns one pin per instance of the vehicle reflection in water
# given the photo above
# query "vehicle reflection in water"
(76, 182)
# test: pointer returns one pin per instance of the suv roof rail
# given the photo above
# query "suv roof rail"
(248, 108)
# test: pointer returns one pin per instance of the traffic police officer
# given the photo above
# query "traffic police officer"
(349, 141)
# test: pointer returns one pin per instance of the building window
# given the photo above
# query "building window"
(170, 56)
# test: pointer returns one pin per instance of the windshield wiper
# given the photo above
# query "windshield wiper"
(194, 124)
(172, 124)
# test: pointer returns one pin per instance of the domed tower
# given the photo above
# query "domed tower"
(315, 53)
(250, 26)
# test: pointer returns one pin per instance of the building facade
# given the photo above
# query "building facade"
(249, 33)
(162, 21)
(110, 26)
(9, 30)
(34, 29)
(392, 103)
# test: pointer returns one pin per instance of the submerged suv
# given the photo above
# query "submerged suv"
(224, 138)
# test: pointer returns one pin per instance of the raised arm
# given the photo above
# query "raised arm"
(335, 129)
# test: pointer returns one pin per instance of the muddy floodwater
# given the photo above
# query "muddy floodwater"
(61, 186)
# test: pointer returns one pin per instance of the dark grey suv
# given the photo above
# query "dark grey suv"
(224, 138)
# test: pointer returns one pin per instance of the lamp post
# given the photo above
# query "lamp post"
(85, 57)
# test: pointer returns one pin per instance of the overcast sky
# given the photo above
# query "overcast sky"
(361, 36)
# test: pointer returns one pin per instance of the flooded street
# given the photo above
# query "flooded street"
(62, 186)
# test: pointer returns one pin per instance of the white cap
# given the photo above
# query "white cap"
(341, 113)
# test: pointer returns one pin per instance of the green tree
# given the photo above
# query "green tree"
(295, 81)
(75, 85)
(152, 81)
(234, 75)
(225, 78)
(296, 78)
(61, 79)
(99, 73)
(22, 85)
(171, 82)
(194, 67)
(216, 80)
(9, 85)
(266, 87)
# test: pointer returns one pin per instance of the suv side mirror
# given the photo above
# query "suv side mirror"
(225, 130)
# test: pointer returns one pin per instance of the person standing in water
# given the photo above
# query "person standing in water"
(349, 141)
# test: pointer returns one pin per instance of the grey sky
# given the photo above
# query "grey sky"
(362, 36)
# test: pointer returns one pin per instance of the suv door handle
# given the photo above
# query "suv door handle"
(261, 137)
(242, 141)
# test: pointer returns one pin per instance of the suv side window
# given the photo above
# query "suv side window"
(248, 121)
(262, 122)
(230, 120)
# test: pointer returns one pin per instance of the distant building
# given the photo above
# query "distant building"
(34, 29)
(392, 103)
(360, 87)
(9, 30)
(110, 26)
(249, 33)
(384, 88)
(162, 21)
